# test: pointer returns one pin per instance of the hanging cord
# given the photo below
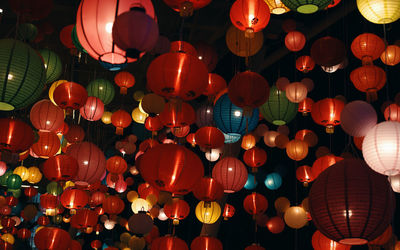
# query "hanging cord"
(181, 29)
(386, 67)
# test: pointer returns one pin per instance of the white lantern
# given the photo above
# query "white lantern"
(395, 182)
(296, 92)
(212, 155)
(162, 216)
(109, 224)
(140, 204)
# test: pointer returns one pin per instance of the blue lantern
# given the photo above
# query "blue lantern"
(273, 181)
(231, 138)
(229, 118)
(251, 182)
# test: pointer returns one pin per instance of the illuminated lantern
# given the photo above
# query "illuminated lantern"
(66, 36)
(93, 109)
(395, 183)
(48, 201)
(208, 189)
(52, 64)
(306, 6)
(392, 112)
(368, 79)
(14, 181)
(52, 238)
(120, 119)
(34, 175)
(15, 135)
(323, 163)
(228, 212)
(204, 115)
(23, 233)
(254, 246)
(140, 205)
(153, 123)
(70, 95)
(248, 90)
(379, 12)
(360, 202)
(186, 7)
(239, 44)
(328, 51)
(113, 205)
(116, 165)
(46, 116)
(182, 46)
(23, 75)
(84, 218)
(181, 131)
(278, 109)
(91, 162)
(124, 80)
(305, 64)
(255, 157)
(321, 242)
(177, 210)
(74, 198)
(102, 89)
(296, 92)
(171, 168)
(106, 117)
(208, 55)
(273, 181)
(295, 40)
(305, 106)
(168, 243)
(295, 217)
(208, 212)
(391, 56)
(75, 134)
(138, 116)
(326, 112)
(275, 225)
(357, 118)
(297, 150)
(153, 104)
(140, 223)
(215, 84)
(206, 242)
(231, 173)
(269, 138)
(367, 47)
(255, 204)
(177, 115)
(47, 145)
(277, 7)
(304, 174)
(250, 16)
(209, 137)
(96, 199)
(22, 172)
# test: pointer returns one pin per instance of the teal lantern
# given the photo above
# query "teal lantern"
(251, 182)
(231, 138)
(102, 89)
(22, 75)
(52, 64)
(76, 42)
(27, 32)
(278, 109)
(273, 181)
(54, 188)
(306, 6)
(14, 181)
(4, 177)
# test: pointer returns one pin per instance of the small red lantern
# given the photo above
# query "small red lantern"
(255, 157)
(116, 165)
(304, 174)
(255, 204)
(323, 163)
(84, 218)
(177, 114)
(75, 134)
(43, 220)
(96, 199)
(148, 144)
(15, 135)
(206, 242)
(215, 85)
(60, 168)
(275, 225)
(69, 96)
(47, 145)
(180, 131)
(392, 112)
(113, 205)
(74, 198)
(96, 244)
(153, 124)
(46, 116)
(305, 106)
(369, 79)
(328, 51)
(177, 210)
(30, 192)
(23, 233)
(208, 189)
(326, 112)
(305, 64)
(93, 109)
(124, 80)
(52, 238)
(209, 137)
(146, 189)
(65, 36)
(191, 138)
(295, 41)
(120, 119)
(367, 47)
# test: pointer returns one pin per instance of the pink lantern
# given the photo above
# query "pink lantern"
(357, 118)
(231, 173)
(93, 109)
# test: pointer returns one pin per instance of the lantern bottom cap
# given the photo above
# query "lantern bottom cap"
(353, 241)
(278, 11)
(6, 107)
(391, 172)
(308, 8)
(279, 122)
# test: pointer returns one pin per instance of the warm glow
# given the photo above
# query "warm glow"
(109, 27)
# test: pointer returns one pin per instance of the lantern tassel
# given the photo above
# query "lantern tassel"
(119, 130)
(123, 90)
(372, 96)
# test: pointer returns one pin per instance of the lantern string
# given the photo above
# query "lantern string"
(386, 59)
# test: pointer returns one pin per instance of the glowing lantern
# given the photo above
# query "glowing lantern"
(34, 175)
(113, 205)
(208, 213)
(215, 84)
(177, 114)
(124, 80)
(296, 92)
(305, 106)
(305, 64)
(391, 56)
(106, 117)
(379, 12)
(181, 131)
(52, 64)
(327, 112)
(277, 7)
(46, 116)
(208, 189)
(255, 204)
(47, 145)
(206, 242)
(323, 163)
(52, 238)
(93, 109)
(239, 44)
(74, 198)
(138, 116)
(392, 112)
(102, 89)
(367, 47)
(231, 173)
(273, 181)
(69, 96)
(177, 210)
(328, 51)
(295, 41)
(75, 134)
(275, 225)
(60, 168)
(304, 174)
(295, 217)
(120, 119)
(139, 205)
(116, 165)
(169, 243)
(368, 79)
(15, 135)
(357, 118)
(320, 242)
(186, 7)
(306, 6)
(255, 157)
(297, 150)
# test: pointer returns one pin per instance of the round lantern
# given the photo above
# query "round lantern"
(357, 118)
(169, 242)
(297, 149)
(91, 162)
(75, 134)
(177, 210)
(138, 116)
(153, 123)
(52, 238)
(53, 86)
(140, 205)
(153, 104)
(321, 242)
(46, 116)
(305, 64)
(206, 242)
(140, 223)
(113, 205)
(248, 90)
(282, 83)
(14, 181)
(350, 203)
(215, 84)
(391, 56)
(304, 174)
(93, 109)
(273, 181)
(70, 95)
(278, 109)
(116, 165)
(379, 12)
(380, 147)
(328, 51)
(255, 204)
(15, 135)
(66, 36)
(208, 212)
(209, 137)
(52, 64)
(120, 119)
(368, 79)
(124, 80)
(295, 40)
(47, 145)
(250, 15)
(305, 106)
(296, 92)
(60, 168)
(207, 54)
(102, 89)
(306, 6)
(183, 47)
(277, 7)
(171, 168)
(326, 112)
(255, 157)
(231, 119)
(23, 75)
(295, 217)
(275, 225)
(231, 173)
(239, 44)
(34, 175)
(22, 172)
(177, 114)
(27, 32)
(208, 189)
(186, 7)
(392, 112)
(84, 218)
(367, 47)
(106, 117)
(323, 163)
(254, 246)
(74, 198)
(395, 183)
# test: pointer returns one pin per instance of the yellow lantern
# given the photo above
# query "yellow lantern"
(125, 237)
(277, 7)
(22, 172)
(138, 116)
(297, 150)
(208, 212)
(140, 205)
(34, 175)
(152, 199)
(9, 238)
(137, 243)
(241, 45)
(379, 11)
(52, 88)
(68, 184)
(131, 196)
(248, 141)
(295, 217)
(106, 118)
(138, 95)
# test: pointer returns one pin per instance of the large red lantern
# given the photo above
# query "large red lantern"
(206, 242)
(215, 85)
(229, 211)
(208, 189)
(250, 15)
(209, 137)
(177, 75)
(295, 41)
(60, 168)
(113, 205)
(367, 47)
(305, 64)
(120, 119)
(46, 116)
(177, 114)
(321, 242)
(231, 173)
(47, 145)
(93, 109)
(52, 238)
(350, 203)
(169, 243)
(69, 96)
(15, 135)
(171, 168)
(326, 112)
(255, 204)
(177, 210)
(74, 198)
(328, 51)
(75, 134)
(255, 157)
(323, 163)
(124, 80)
(84, 218)
(369, 79)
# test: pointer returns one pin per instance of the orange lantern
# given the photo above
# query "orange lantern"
(367, 47)
(116, 165)
(297, 150)
(304, 174)
(121, 119)
(47, 145)
(305, 106)
(392, 112)
(296, 92)
(326, 112)
(391, 56)
(321, 242)
(229, 211)
(323, 163)
(248, 141)
(295, 41)
(177, 210)
(305, 64)
(124, 80)
(369, 79)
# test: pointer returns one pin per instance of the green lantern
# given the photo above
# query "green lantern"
(22, 75)
(278, 109)
(27, 32)
(54, 188)
(102, 89)
(76, 42)
(4, 177)
(15, 192)
(306, 6)
(52, 64)
(14, 181)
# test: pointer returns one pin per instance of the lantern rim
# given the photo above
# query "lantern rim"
(307, 8)
(353, 241)
(6, 106)
(278, 11)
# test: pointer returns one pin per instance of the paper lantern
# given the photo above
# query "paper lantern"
(326, 112)
(34, 175)
(140, 205)
(52, 65)
(138, 116)
(177, 75)
(124, 80)
(22, 75)
(153, 104)
(323, 163)
(47, 145)
(53, 86)
(75, 134)
(177, 210)
(183, 47)
(321, 242)
(66, 36)
(308, 136)
(46, 116)
(27, 32)
(120, 119)
(255, 157)
(93, 109)
(367, 47)
(239, 44)
(391, 55)
(231, 173)
(102, 89)
(296, 92)
(360, 202)
(305, 64)
(275, 225)
(297, 150)
(392, 112)
(306, 6)
(140, 223)
(254, 246)
(379, 12)
(14, 181)
(215, 85)
(70, 95)
(60, 168)
(369, 79)
(153, 123)
(357, 118)
(304, 174)
(251, 182)
(255, 204)
(305, 106)
(15, 135)
(204, 115)
(177, 114)
(328, 51)
(209, 137)
(74, 198)
(295, 217)
(295, 41)
(116, 165)
(186, 7)
(169, 242)
(206, 242)
(207, 54)
(52, 238)
(113, 205)
(208, 213)
(106, 117)
(273, 181)
(277, 7)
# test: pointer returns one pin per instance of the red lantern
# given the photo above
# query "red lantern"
(60, 168)
(183, 47)
(148, 144)
(177, 75)
(96, 199)
(333, 4)
(255, 204)
(383, 238)
(304, 174)
(206, 242)
(215, 85)
(46, 116)
(305, 106)
(250, 15)
(321, 242)
(367, 47)
(207, 54)
(124, 80)
(275, 225)
(168, 243)
(30, 192)
(65, 36)
(116, 165)
(392, 112)
(52, 238)
(74, 198)
(43, 220)
(305, 64)
(47, 145)
(84, 218)
(96, 244)
(75, 134)
(153, 123)
(180, 131)
(369, 79)
(63, 130)
(326, 112)
(255, 157)
(15, 135)
(146, 189)
(208, 189)
(177, 114)
(171, 168)
(295, 40)
(23, 233)
(113, 205)
(191, 138)
(69, 96)
(231, 173)
(177, 210)
(186, 7)
(248, 90)
(120, 119)
(391, 55)
(209, 137)
(328, 51)
(93, 109)
(254, 246)
(323, 163)
(48, 201)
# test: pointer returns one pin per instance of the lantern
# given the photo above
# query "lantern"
(296, 92)
(183, 47)
(323, 163)
(209, 137)
(379, 12)
(65, 36)
(305, 64)
(277, 7)
(241, 45)
(383, 238)
(255, 157)
(22, 172)
(215, 85)
(208, 189)
(208, 213)
(327, 112)
(106, 117)
(206, 242)
(177, 210)
(275, 225)
(305, 106)
(367, 47)
(369, 79)
(186, 7)
(254, 246)
(93, 109)
(15, 135)
(69, 96)
(168, 243)
(295, 40)
(52, 65)
(27, 32)
(295, 217)
(52, 238)
(306, 6)
(120, 119)
(75, 134)
(140, 223)
(204, 115)
(297, 149)
(273, 181)
(113, 205)
(152, 104)
(320, 242)
(392, 112)
(14, 181)
(231, 173)
(391, 55)
(23, 75)
(74, 198)
(177, 114)
(328, 51)
(46, 116)
(357, 118)
(102, 89)
(140, 205)
(360, 202)
(208, 55)
(138, 116)
(228, 212)
(282, 83)
(304, 174)
(124, 80)
(255, 204)
(116, 165)
(47, 145)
